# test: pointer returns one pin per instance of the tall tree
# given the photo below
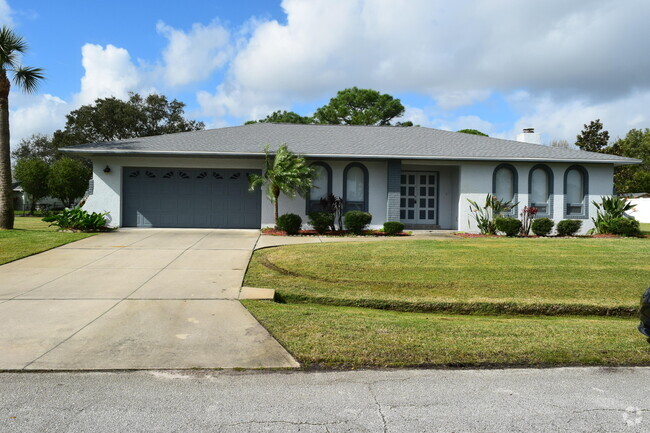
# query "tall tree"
(560, 144)
(68, 180)
(473, 132)
(359, 107)
(632, 178)
(283, 117)
(33, 175)
(27, 78)
(284, 172)
(38, 146)
(111, 119)
(593, 138)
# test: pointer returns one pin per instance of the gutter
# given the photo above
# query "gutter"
(189, 154)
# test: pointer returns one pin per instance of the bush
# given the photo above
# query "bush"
(568, 227)
(509, 226)
(542, 226)
(321, 221)
(78, 219)
(393, 227)
(624, 227)
(289, 222)
(356, 221)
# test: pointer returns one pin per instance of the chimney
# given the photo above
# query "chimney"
(529, 136)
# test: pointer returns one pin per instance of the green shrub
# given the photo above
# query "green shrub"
(542, 226)
(624, 227)
(609, 209)
(289, 222)
(393, 227)
(356, 221)
(321, 221)
(568, 227)
(78, 219)
(509, 226)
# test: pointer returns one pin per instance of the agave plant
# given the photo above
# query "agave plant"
(609, 209)
(486, 215)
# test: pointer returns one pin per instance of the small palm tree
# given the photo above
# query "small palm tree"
(283, 172)
(27, 78)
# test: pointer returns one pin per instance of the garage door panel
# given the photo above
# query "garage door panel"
(166, 197)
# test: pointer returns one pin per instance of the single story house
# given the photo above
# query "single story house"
(420, 176)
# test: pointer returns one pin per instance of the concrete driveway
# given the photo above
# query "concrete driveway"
(135, 299)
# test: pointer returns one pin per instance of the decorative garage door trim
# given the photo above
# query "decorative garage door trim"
(189, 197)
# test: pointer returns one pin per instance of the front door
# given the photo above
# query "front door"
(418, 197)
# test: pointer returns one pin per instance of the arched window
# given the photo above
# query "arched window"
(504, 184)
(355, 187)
(576, 189)
(322, 186)
(540, 189)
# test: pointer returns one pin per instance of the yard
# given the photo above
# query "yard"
(456, 302)
(31, 236)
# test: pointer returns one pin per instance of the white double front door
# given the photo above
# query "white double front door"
(419, 197)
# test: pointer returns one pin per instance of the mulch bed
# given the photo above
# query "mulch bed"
(274, 232)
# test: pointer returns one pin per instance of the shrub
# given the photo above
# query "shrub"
(624, 227)
(290, 223)
(542, 226)
(321, 221)
(356, 221)
(527, 218)
(393, 227)
(485, 215)
(509, 226)
(609, 209)
(568, 227)
(78, 219)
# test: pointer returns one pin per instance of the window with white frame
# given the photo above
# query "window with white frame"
(321, 186)
(355, 193)
(504, 184)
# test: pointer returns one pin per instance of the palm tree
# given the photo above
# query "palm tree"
(27, 78)
(283, 172)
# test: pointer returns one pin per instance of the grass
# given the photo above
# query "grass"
(529, 276)
(31, 236)
(345, 337)
(645, 228)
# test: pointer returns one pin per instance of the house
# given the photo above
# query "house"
(22, 200)
(641, 209)
(420, 176)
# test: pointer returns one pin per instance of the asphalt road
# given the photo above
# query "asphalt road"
(547, 400)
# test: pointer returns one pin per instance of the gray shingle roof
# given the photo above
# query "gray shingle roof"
(341, 141)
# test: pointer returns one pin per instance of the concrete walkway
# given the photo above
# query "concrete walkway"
(135, 299)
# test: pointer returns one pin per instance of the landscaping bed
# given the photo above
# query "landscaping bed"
(31, 236)
(275, 232)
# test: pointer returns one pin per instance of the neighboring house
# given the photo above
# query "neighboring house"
(420, 176)
(641, 210)
(22, 202)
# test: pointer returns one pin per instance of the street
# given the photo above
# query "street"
(563, 399)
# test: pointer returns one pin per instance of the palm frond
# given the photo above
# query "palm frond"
(10, 45)
(28, 78)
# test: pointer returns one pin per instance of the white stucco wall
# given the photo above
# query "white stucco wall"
(641, 210)
(476, 183)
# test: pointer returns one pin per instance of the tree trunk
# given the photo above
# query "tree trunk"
(276, 194)
(6, 191)
(32, 206)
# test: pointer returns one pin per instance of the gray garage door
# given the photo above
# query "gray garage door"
(172, 197)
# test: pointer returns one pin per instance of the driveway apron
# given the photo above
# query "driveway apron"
(135, 299)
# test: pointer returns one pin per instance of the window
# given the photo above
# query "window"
(575, 192)
(355, 187)
(504, 184)
(322, 186)
(540, 189)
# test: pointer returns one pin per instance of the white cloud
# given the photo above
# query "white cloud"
(109, 71)
(193, 56)
(457, 53)
(6, 14)
(35, 114)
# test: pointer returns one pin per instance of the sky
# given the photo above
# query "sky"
(497, 66)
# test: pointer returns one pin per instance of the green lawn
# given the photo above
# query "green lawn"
(645, 228)
(30, 236)
(345, 337)
(535, 276)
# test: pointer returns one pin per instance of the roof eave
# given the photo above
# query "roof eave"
(120, 152)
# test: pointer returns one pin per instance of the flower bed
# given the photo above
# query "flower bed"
(274, 232)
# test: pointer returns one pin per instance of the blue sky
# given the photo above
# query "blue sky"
(494, 66)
